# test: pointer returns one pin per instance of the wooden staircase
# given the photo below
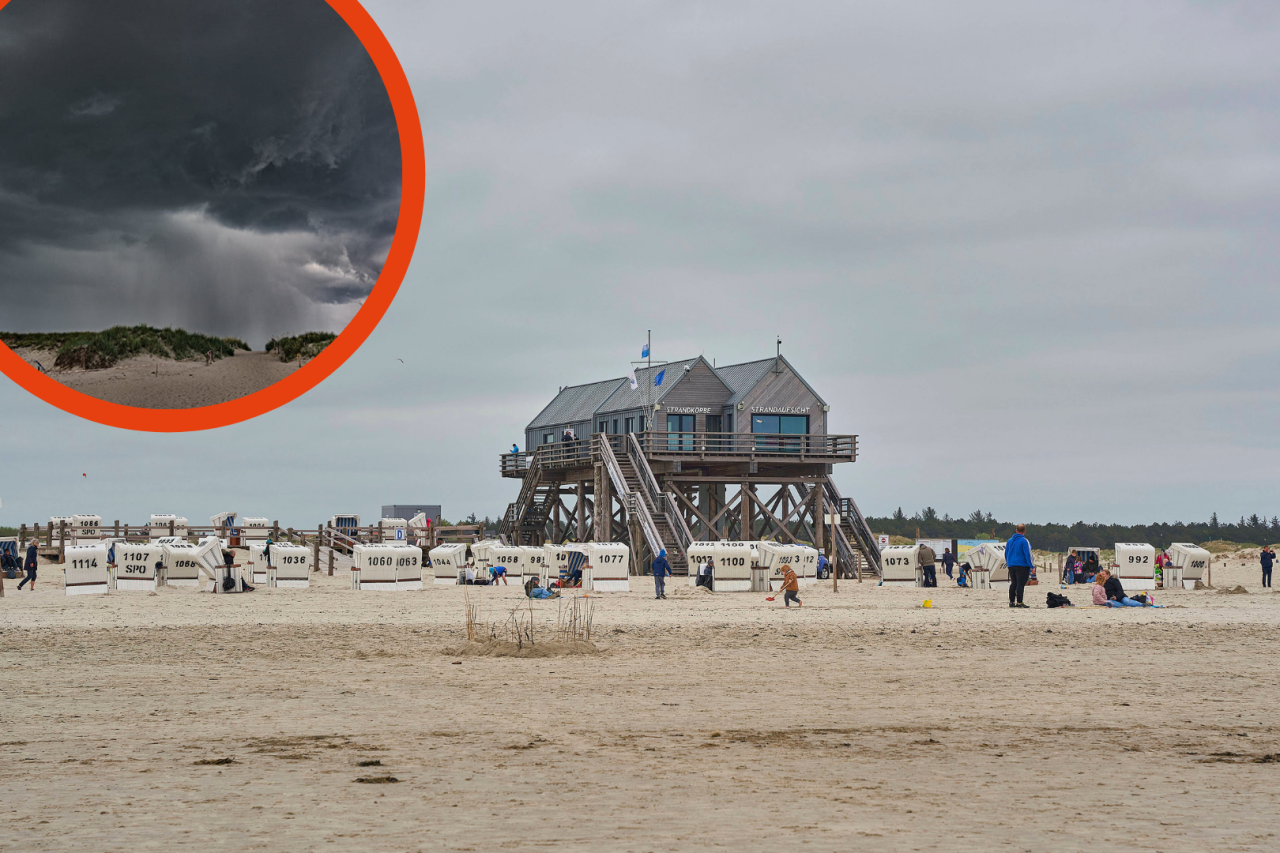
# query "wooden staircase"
(661, 525)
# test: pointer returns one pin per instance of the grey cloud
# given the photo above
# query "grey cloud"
(264, 116)
(1027, 251)
(94, 106)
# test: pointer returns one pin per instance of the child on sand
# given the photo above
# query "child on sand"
(1099, 592)
(790, 586)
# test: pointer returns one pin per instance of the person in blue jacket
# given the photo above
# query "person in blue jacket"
(31, 564)
(661, 570)
(1017, 556)
(1268, 560)
(948, 560)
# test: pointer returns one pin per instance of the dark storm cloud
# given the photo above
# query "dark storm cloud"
(262, 116)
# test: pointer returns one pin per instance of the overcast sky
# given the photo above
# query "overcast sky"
(232, 168)
(1027, 252)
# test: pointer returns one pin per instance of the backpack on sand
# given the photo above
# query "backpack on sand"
(1052, 599)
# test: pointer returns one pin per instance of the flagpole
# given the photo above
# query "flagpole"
(646, 362)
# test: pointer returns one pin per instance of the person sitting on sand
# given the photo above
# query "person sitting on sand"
(704, 574)
(1090, 568)
(962, 575)
(9, 564)
(1115, 595)
(1099, 592)
(790, 586)
(532, 590)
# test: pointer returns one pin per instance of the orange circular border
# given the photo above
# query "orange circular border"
(412, 196)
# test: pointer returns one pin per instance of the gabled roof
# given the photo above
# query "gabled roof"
(741, 378)
(582, 402)
(576, 403)
(804, 381)
(624, 398)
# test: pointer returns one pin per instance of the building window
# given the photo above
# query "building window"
(629, 425)
(642, 423)
(548, 437)
(771, 426)
(615, 426)
(603, 427)
(679, 432)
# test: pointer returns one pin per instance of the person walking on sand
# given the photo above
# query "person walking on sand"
(1017, 556)
(31, 564)
(927, 559)
(790, 587)
(1268, 559)
(948, 561)
(661, 570)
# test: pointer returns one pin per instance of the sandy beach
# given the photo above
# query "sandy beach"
(707, 720)
(152, 383)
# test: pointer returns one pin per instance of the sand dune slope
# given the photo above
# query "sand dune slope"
(157, 384)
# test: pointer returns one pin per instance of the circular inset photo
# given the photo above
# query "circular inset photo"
(205, 208)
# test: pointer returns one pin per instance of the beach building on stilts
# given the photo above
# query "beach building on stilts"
(688, 452)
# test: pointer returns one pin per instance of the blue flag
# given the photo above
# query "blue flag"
(644, 351)
(657, 380)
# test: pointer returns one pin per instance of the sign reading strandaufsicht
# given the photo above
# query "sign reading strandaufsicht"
(780, 410)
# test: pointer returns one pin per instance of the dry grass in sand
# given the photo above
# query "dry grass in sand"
(520, 634)
(277, 720)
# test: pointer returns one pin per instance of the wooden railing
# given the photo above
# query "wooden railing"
(633, 501)
(515, 464)
(691, 445)
(824, 448)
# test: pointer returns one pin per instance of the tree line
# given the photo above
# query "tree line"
(928, 524)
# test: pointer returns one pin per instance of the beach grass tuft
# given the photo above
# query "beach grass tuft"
(308, 345)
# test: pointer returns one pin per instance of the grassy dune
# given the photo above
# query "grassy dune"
(307, 345)
(96, 350)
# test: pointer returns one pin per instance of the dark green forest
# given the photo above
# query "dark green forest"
(1254, 530)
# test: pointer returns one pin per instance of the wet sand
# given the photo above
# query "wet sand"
(152, 383)
(707, 720)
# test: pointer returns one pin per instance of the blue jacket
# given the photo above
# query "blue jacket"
(661, 568)
(1267, 559)
(1017, 552)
